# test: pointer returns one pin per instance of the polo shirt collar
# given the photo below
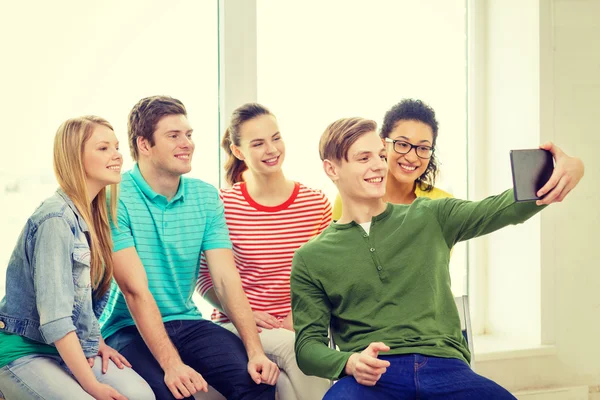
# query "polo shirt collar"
(150, 193)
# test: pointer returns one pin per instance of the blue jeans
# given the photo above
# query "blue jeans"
(214, 352)
(417, 377)
(44, 377)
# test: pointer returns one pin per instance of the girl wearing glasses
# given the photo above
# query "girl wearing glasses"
(410, 131)
(269, 217)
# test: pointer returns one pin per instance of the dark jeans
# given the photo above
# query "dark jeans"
(417, 377)
(217, 354)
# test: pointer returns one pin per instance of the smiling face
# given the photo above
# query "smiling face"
(407, 168)
(102, 160)
(261, 145)
(173, 146)
(363, 176)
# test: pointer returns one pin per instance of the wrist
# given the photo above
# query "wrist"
(89, 384)
(350, 364)
(170, 362)
(254, 352)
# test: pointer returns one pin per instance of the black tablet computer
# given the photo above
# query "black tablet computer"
(531, 169)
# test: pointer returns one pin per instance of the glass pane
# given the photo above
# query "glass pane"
(322, 60)
(70, 58)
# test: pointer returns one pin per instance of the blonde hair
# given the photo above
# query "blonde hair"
(340, 135)
(69, 143)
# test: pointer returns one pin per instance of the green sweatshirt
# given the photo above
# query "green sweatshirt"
(391, 285)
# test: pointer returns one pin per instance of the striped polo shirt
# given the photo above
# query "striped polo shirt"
(169, 237)
(264, 240)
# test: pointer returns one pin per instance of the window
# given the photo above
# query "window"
(320, 61)
(72, 58)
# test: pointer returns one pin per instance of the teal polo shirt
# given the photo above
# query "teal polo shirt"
(169, 237)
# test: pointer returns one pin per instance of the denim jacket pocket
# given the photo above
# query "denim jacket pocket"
(82, 280)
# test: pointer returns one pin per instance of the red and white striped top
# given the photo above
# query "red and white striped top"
(264, 240)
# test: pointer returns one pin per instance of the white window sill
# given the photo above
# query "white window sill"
(497, 347)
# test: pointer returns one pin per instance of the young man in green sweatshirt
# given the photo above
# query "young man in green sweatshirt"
(380, 275)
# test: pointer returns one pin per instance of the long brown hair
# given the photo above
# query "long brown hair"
(69, 143)
(234, 167)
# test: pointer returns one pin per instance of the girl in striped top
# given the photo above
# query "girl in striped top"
(269, 217)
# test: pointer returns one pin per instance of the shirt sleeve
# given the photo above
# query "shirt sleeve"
(53, 278)
(216, 235)
(463, 220)
(326, 214)
(204, 282)
(121, 234)
(312, 314)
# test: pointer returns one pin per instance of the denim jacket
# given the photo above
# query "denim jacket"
(48, 283)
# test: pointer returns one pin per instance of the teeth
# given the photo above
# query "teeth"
(185, 157)
(115, 168)
(375, 180)
(406, 167)
(271, 160)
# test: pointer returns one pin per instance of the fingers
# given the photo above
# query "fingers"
(105, 358)
(552, 182)
(270, 373)
(367, 382)
(375, 347)
(368, 370)
(367, 376)
(548, 146)
(264, 324)
(254, 374)
(91, 361)
(181, 388)
(123, 360)
(552, 148)
(199, 382)
(374, 363)
(118, 396)
(266, 320)
(189, 386)
(174, 390)
(556, 194)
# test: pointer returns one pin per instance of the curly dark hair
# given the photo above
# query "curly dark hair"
(415, 110)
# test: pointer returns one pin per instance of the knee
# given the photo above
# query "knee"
(285, 353)
(137, 391)
(345, 389)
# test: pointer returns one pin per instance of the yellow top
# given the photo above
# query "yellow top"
(434, 194)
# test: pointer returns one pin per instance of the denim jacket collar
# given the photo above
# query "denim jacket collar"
(69, 202)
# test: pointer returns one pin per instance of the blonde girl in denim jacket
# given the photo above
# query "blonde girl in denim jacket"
(58, 277)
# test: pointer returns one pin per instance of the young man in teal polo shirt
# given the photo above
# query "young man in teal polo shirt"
(165, 222)
(380, 276)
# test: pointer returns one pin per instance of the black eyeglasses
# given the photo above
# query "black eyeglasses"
(402, 147)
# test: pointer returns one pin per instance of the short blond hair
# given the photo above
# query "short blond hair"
(341, 135)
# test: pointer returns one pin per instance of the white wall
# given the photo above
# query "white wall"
(512, 99)
(69, 58)
(570, 74)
